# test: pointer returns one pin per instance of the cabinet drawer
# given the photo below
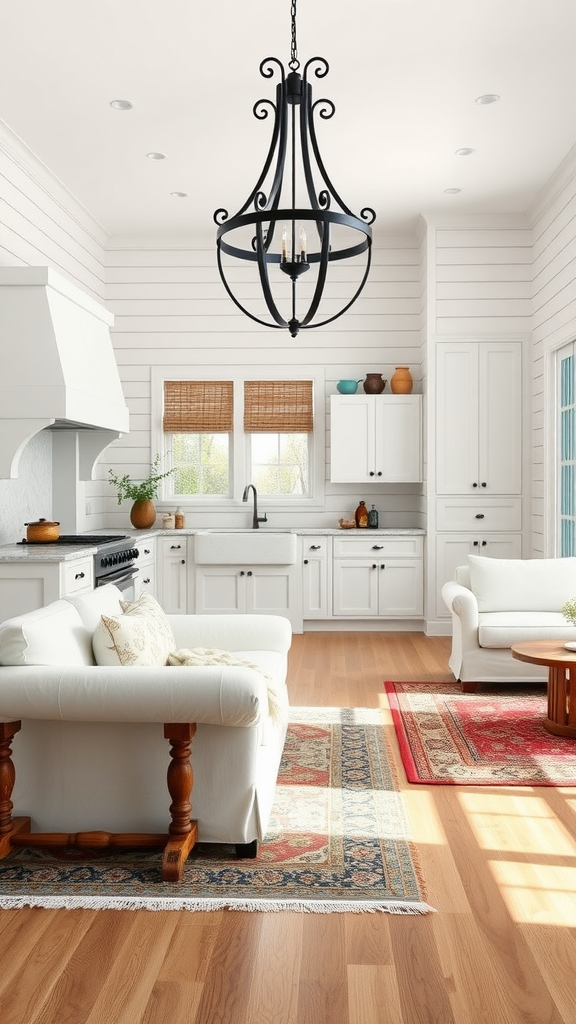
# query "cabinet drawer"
(77, 576)
(315, 546)
(377, 546)
(466, 514)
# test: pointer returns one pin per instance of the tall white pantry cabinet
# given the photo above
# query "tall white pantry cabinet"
(478, 454)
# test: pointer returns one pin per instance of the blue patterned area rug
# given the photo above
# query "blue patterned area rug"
(338, 840)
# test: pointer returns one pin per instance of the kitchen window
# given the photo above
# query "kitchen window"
(198, 422)
(278, 422)
(222, 434)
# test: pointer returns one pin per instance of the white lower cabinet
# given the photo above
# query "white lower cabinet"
(260, 589)
(316, 577)
(145, 582)
(173, 574)
(452, 550)
(25, 586)
(378, 576)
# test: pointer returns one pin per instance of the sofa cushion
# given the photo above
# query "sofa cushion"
(522, 584)
(53, 635)
(502, 629)
(141, 635)
(102, 601)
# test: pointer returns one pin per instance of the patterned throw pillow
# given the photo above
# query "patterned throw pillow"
(142, 635)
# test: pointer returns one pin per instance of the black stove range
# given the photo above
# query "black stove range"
(115, 558)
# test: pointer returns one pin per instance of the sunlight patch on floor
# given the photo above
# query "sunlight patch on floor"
(426, 823)
(518, 822)
(537, 893)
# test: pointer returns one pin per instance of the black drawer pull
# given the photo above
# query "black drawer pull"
(480, 515)
(79, 576)
(305, 561)
(175, 547)
(377, 547)
(315, 547)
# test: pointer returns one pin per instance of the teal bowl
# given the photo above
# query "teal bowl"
(347, 387)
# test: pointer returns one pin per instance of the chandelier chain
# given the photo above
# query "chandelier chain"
(294, 62)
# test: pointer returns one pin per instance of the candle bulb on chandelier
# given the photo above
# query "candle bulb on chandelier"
(284, 245)
(302, 245)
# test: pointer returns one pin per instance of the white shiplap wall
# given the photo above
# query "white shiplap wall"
(40, 225)
(554, 325)
(171, 310)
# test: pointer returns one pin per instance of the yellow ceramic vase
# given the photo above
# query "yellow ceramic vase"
(401, 382)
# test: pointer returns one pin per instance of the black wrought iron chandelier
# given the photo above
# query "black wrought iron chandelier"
(294, 220)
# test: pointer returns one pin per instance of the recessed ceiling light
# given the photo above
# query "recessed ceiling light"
(156, 156)
(179, 195)
(464, 151)
(488, 97)
(121, 105)
(452, 191)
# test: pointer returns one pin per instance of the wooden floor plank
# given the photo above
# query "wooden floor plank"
(498, 863)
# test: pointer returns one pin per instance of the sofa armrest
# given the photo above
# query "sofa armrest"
(464, 608)
(233, 632)
(214, 695)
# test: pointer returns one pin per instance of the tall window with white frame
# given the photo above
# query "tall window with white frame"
(278, 424)
(566, 503)
(198, 421)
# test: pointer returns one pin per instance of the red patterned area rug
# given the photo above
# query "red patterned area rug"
(339, 840)
(488, 738)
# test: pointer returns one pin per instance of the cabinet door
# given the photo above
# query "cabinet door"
(272, 590)
(500, 418)
(479, 418)
(457, 424)
(352, 439)
(355, 587)
(315, 578)
(173, 576)
(398, 438)
(452, 550)
(220, 589)
(400, 584)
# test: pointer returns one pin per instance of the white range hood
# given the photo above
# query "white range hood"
(58, 368)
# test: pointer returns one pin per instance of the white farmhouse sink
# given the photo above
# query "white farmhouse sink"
(241, 547)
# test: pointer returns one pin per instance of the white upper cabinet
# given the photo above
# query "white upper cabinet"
(376, 438)
(479, 418)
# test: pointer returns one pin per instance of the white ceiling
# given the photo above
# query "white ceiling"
(404, 75)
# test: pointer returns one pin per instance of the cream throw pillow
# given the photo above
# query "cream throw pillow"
(142, 635)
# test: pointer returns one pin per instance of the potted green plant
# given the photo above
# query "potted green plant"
(141, 493)
(568, 610)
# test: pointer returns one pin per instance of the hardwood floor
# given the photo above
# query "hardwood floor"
(499, 866)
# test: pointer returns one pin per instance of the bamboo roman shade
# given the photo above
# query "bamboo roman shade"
(278, 406)
(202, 406)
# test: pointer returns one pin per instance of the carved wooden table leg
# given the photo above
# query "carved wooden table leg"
(183, 832)
(9, 826)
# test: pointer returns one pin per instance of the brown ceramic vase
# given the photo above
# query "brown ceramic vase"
(143, 514)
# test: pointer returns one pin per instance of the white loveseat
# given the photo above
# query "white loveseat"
(496, 602)
(91, 752)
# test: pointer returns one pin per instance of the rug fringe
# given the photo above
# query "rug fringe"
(198, 905)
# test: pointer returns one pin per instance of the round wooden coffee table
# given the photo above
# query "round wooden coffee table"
(561, 664)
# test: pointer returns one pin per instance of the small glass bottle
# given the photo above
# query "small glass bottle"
(179, 520)
(361, 515)
(373, 518)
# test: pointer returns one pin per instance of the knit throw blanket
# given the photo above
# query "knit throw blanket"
(200, 656)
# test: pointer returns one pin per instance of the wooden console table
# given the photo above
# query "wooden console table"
(561, 665)
(182, 832)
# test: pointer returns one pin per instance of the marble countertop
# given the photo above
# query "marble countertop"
(54, 552)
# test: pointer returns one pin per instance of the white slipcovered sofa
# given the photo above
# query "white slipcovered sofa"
(91, 752)
(496, 602)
